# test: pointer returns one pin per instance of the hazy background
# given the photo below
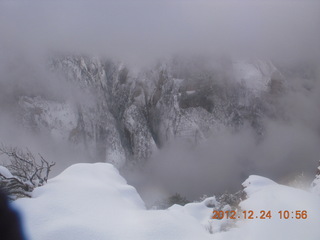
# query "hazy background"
(140, 32)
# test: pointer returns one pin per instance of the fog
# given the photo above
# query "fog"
(139, 33)
(226, 160)
(289, 147)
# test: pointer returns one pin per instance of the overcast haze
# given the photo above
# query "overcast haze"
(139, 33)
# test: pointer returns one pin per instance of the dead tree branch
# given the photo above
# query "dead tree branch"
(24, 172)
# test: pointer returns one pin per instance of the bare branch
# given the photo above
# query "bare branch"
(27, 171)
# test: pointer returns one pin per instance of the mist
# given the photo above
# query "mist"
(227, 159)
(139, 33)
(287, 148)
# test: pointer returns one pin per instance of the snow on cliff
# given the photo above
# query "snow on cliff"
(58, 118)
(123, 117)
(255, 75)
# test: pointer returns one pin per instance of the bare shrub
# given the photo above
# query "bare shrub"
(23, 173)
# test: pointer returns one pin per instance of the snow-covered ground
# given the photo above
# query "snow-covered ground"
(92, 201)
(266, 195)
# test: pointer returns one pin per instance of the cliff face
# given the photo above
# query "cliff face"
(130, 115)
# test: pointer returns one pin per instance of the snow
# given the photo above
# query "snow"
(255, 183)
(315, 185)
(5, 172)
(190, 92)
(255, 75)
(264, 194)
(59, 118)
(202, 212)
(92, 201)
(196, 124)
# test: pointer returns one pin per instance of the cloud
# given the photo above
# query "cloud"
(143, 30)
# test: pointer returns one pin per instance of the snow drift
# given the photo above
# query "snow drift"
(265, 194)
(92, 201)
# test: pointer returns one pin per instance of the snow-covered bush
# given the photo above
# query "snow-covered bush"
(231, 199)
(229, 202)
(23, 172)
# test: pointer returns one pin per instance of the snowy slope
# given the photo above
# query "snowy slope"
(92, 201)
(202, 212)
(264, 194)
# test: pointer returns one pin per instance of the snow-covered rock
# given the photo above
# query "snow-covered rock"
(92, 201)
(131, 115)
(202, 212)
(256, 183)
(266, 195)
